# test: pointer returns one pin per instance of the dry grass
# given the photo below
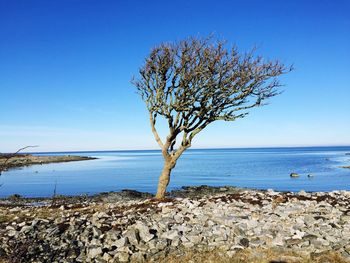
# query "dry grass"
(248, 256)
(254, 256)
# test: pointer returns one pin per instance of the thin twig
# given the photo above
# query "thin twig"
(54, 194)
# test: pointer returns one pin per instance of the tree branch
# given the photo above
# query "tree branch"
(154, 131)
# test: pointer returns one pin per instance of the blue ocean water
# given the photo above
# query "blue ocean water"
(262, 168)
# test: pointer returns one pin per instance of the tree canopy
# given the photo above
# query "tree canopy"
(197, 81)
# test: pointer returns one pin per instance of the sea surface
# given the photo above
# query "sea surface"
(261, 168)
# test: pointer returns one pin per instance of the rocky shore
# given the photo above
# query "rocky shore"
(21, 160)
(132, 227)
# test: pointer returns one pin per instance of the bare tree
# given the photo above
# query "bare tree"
(197, 81)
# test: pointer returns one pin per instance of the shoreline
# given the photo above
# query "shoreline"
(125, 194)
(193, 192)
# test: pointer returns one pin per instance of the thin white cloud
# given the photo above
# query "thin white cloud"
(7, 130)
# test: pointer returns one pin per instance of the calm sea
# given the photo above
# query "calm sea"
(261, 168)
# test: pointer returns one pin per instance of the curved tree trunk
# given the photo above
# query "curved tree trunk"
(164, 180)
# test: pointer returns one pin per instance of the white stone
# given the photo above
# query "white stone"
(94, 252)
(170, 234)
(144, 231)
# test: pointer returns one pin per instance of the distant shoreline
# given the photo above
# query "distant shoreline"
(23, 160)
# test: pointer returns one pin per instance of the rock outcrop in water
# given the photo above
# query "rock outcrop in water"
(294, 175)
(136, 229)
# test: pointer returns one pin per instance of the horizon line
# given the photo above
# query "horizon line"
(204, 148)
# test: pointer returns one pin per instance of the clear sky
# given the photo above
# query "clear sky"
(66, 65)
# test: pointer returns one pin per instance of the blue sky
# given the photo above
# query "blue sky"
(65, 70)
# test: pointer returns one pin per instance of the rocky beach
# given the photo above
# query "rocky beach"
(235, 225)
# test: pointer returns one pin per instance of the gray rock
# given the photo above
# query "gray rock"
(96, 232)
(298, 234)
(144, 232)
(161, 244)
(175, 242)
(22, 224)
(178, 218)
(319, 242)
(195, 239)
(107, 257)
(124, 250)
(137, 257)
(122, 257)
(119, 242)
(187, 244)
(93, 252)
(302, 193)
(170, 234)
(132, 236)
(12, 233)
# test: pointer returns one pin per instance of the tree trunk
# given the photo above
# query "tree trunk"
(164, 180)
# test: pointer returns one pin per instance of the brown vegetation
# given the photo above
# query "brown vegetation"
(255, 256)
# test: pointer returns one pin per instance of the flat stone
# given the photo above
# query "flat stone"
(187, 244)
(170, 234)
(144, 232)
(122, 257)
(137, 257)
(132, 237)
(119, 242)
(93, 252)
(195, 239)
